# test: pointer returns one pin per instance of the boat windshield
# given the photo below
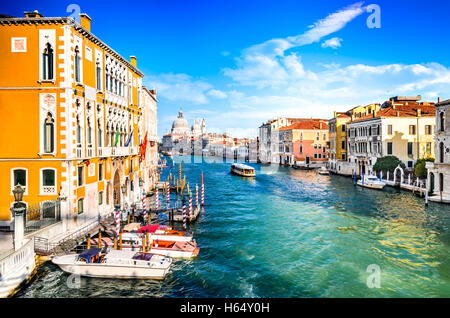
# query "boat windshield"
(142, 256)
(372, 179)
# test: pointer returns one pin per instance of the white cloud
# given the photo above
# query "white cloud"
(334, 43)
(266, 64)
(217, 94)
(180, 87)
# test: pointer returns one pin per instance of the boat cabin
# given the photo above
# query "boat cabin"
(242, 170)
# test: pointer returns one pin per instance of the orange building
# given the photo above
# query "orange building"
(304, 142)
(72, 118)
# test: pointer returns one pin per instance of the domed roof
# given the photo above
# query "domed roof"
(180, 125)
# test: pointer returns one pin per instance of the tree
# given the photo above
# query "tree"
(388, 163)
(419, 168)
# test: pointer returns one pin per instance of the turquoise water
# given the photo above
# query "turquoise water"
(290, 233)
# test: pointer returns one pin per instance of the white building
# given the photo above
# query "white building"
(403, 127)
(439, 172)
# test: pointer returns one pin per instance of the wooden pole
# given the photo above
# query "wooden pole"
(115, 243)
(100, 240)
(143, 243)
(148, 242)
(89, 243)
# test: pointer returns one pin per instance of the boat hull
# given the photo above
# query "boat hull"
(370, 185)
(108, 270)
(241, 174)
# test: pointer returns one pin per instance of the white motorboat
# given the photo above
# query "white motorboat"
(323, 171)
(115, 264)
(371, 182)
(242, 170)
(166, 248)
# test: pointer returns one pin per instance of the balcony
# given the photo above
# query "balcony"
(48, 190)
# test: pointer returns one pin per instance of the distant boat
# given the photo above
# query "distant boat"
(371, 182)
(114, 264)
(242, 170)
(323, 171)
(303, 167)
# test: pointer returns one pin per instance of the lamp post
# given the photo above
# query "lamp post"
(123, 188)
(61, 198)
(19, 210)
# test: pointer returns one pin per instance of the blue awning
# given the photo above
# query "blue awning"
(90, 253)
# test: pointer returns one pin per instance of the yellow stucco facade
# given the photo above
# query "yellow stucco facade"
(65, 97)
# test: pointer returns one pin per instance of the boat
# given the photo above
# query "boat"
(158, 232)
(166, 248)
(242, 170)
(114, 264)
(323, 171)
(307, 167)
(371, 182)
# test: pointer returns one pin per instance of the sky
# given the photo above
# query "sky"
(240, 63)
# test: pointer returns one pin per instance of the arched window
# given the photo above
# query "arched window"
(441, 152)
(106, 79)
(99, 74)
(80, 206)
(47, 62)
(78, 131)
(77, 65)
(441, 121)
(100, 134)
(49, 133)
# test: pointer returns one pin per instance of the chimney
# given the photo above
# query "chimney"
(398, 113)
(320, 125)
(133, 60)
(439, 99)
(34, 14)
(85, 21)
(419, 112)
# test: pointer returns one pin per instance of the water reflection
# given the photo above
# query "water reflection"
(292, 233)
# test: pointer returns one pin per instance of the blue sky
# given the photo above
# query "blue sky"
(239, 63)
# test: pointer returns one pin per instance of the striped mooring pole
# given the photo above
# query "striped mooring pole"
(203, 191)
(196, 195)
(144, 205)
(157, 198)
(168, 194)
(184, 217)
(117, 219)
(190, 204)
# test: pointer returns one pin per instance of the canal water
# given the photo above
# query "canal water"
(291, 233)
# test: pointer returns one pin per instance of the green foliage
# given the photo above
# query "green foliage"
(387, 163)
(419, 168)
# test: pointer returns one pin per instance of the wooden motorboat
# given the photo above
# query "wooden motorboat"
(371, 182)
(115, 264)
(323, 171)
(242, 170)
(158, 232)
(166, 248)
(303, 167)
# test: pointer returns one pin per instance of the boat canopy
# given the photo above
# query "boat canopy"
(89, 254)
(132, 227)
(149, 228)
(242, 166)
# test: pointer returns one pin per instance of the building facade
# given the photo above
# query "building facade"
(403, 127)
(75, 118)
(438, 179)
(304, 143)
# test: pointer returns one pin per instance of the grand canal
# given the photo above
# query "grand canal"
(290, 233)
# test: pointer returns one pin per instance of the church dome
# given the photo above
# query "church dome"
(180, 125)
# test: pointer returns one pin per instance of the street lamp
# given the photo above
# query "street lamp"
(18, 192)
(19, 218)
